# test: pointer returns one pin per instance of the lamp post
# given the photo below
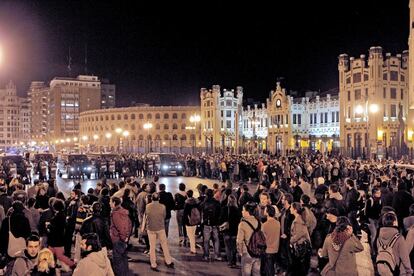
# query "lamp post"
(118, 131)
(195, 119)
(373, 108)
(148, 126)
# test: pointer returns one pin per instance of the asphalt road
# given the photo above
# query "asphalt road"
(185, 263)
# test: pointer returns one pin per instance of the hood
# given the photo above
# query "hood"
(386, 233)
(100, 259)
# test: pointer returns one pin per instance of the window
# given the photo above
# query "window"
(157, 116)
(132, 116)
(294, 119)
(228, 124)
(402, 94)
(149, 116)
(365, 77)
(157, 126)
(357, 77)
(166, 137)
(141, 116)
(299, 119)
(394, 76)
(228, 113)
(174, 116)
(222, 114)
(183, 137)
(228, 103)
(175, 137)
(166, 126)
(326, 117)
(402, 78)
(349, 95)
(183, 126)
(337, 116)
(315, 118)
(112, 117)
(385, 110)
(393, 111)
(384, 94)
(384, 76)
(348, 80)
(357, 94)
(125, 116)
(333, 117)
(208, 114)
(184, 116)
(166, 116)
(321, 118)
(311, 118)
(393, 93)
(119, 117)
(175, 126)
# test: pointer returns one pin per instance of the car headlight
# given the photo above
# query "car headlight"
(89, 168)
(165, 167)
(180, 166)
(72, 169)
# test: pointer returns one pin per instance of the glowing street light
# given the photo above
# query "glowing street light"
(84, 138)
(75, 139)
(195, 119)
(359, 109)
(148, 126)
(68, 140)
(95, 137)
(108, 135)
(118, 130)
(125, 133)
(373, 108)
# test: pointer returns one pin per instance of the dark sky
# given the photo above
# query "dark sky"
(166, 58)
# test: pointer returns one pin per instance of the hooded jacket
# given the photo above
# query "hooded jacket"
(96, 263)
(400, 249)
(189, 204)
(23, 264)
(120, 224)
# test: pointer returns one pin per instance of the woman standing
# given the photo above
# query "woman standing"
(300, 241)
(340, 247)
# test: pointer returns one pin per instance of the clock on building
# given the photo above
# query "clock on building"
(278, 103)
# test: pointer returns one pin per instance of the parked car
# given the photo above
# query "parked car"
(78, 166)
(167, 163)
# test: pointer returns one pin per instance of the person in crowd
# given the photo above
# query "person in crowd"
(250, 265)
(230, 217)
(94, 259)
(42, 199)
(191, 218)
(120, 231)
(310, 217)
(27, 259)
(373, 208)
(34, 213)
(286, 221)
(96, 223)
(46, 265)
(211, 214)
(401, 202)
(271, 230)
(72, 207)
(300, 238)
(340, 247)
(167, 200)
(179, 199)
(155, 215)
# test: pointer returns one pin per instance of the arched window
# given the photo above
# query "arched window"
(106, 118)
(132, 116)
(175, 126)
(141, 116)
(126, 126)
(125, 116)
(149, 137)
(101, 118)
(157, 116)
(119, 117)
(175, 137)
(174, 116)
(183, 116)
(133, 137)
(157, 137)
(139, 126)
(141, 137)
(149, 116)
(183, 126)
(157, 126)
(166, 126)
(166, 137)
(183, 137)
(132, 127)
(112, 117)
(192, 137)
(166, 116)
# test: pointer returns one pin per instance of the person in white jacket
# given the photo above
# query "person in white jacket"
(94, 259)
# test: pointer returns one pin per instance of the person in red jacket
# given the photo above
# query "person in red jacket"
(120, 231)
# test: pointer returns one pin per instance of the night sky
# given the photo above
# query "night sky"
(165, 59)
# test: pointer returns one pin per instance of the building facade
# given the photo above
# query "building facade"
(108, 94)
(373, 96)
(69, 97)
(140, 129)
(254, 128)
(38, 96)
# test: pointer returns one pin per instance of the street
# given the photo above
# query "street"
(185, 263)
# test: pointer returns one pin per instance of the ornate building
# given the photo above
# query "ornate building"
(373, 103)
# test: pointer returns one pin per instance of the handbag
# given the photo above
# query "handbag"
(15, 244)
(301, 250)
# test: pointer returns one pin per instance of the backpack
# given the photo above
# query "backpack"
(10, 265)
(195, 217)
(257, 243)
(386, 262)
(209, 214)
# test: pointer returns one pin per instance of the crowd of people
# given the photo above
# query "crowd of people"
(266, 215)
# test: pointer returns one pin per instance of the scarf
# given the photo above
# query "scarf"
(338, 239)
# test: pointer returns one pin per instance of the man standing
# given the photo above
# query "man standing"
(27, 259)
(120, 230)
(94, 259)
(271, 230)
(211, 214)
(156, 213)
(167, 200)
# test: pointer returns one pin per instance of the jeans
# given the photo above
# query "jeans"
(250, 266)
(230, 244)
(191, 236)
(120, 258)
(153, 236)
(208, 232)
(181, 228)
(373, 226)
(167, 226)
(267, 266)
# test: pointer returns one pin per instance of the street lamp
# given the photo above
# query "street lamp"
(195, 119)
(125, 133)
(118, 131)
(148, 126)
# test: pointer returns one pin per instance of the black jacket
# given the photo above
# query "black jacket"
(97, 224)
(167, 199)
(45, 216)
(56, 230)
(6, 201)
(232, 215)
(190, 203)
(211, 212)
(20, 228)
(351, 200)
(401, 203)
